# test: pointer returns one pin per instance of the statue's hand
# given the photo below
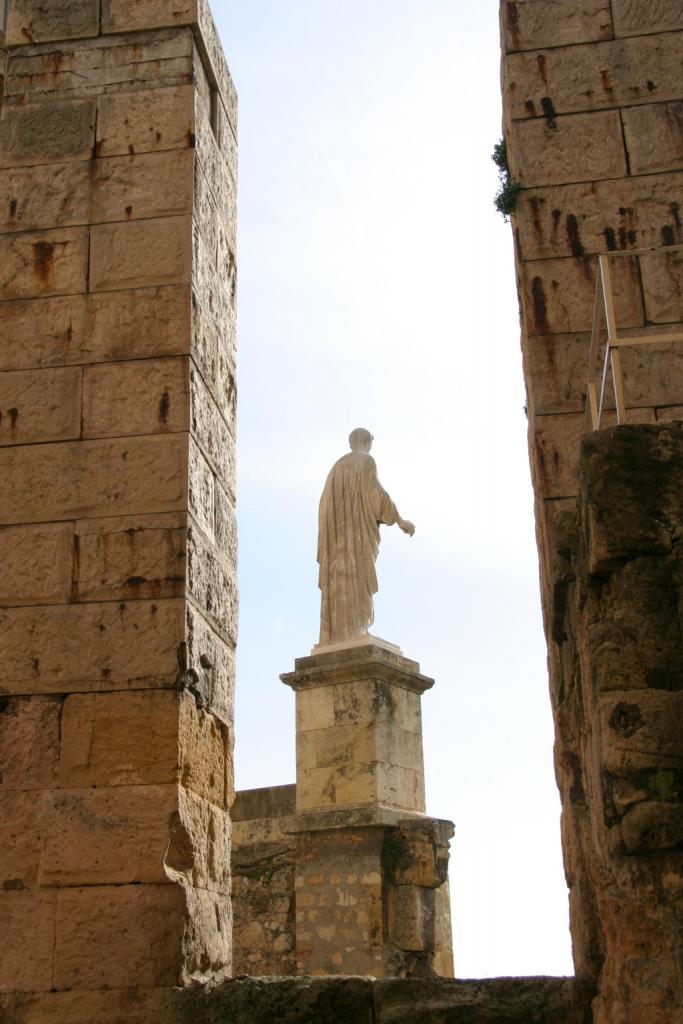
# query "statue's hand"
(407, 527)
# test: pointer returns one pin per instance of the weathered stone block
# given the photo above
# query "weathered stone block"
(211, 431)
(566, 80)
(555, 447)
(132, 834)
(662, 274)
(28, 948)
(213, 347)
(66, 648)
(201, 490)
(32, 21)
(43, 263)
(578, 220)
(37, 564)
(120, 739)
(141, 397)
(654, 138)
(212, 582)
(225, 525)
(653, 826)
(26, 822)
(412, 917)
(90, 478)
(531, 24)
(205, 754)
(624, 506)
(557, 369)
(140, 253)
(29, 742)
(214, 279)
(640, 729)
(94, 328)
(211, 666)
(558, 296)
(45, 196)
(144, 738)
(40, 405)
(140, 927)
(146, 185)
(638, 17)
(137, 15)
(130, 557)
(43, 133)
(92, 66)
(575, 147)
(397, 787)
(148, 121)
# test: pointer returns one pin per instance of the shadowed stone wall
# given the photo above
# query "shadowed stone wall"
(117, 524)
(593, 120)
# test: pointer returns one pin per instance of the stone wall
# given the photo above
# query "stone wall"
(618, 698)
(263, 887)
(593, 103)
(350, 896)
(593, 111)
(117, 524)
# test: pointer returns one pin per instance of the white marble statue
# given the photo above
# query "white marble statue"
(352, 506)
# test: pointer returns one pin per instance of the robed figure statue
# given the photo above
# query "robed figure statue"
(352, 506)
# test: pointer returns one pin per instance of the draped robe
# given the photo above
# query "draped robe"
(352, 506)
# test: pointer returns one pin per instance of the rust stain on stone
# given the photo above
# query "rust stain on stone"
(534, 203)
(530, 107)
(164, 406)
(12, 208)
(43, 260)
(668, 235)
(610, 239)
(573, 237)
(540, 306)
(549, 112)
(606, 84)
(131, 150)
(13, 417)
(540, 60)
(129, 211)
(512, 18)
(191, 140)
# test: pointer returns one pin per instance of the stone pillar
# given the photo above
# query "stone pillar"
(619, 711)
(117, 524)
(592, 120)
(370, 867)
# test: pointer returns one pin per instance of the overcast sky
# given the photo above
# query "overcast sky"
(377, 289)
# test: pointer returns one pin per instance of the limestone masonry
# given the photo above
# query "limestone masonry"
(117, 400)
(593, 105)
(118, 598)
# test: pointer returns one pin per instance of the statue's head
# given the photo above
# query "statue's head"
(360, 440)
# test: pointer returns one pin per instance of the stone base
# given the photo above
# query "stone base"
(359, 728)
(345, 645)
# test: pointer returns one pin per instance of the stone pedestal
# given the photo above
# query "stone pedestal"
(359, 729)
(370, 866)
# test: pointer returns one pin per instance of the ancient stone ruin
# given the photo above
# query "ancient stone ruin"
(118, 598)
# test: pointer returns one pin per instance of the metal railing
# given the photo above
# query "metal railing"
(604, 315)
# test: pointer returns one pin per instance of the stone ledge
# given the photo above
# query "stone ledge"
(306, 1000)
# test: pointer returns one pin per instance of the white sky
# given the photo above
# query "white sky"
(377, 289)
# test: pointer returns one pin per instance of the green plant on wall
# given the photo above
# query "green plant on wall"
(505, 199)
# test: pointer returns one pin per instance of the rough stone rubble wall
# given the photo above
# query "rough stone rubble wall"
(593, 116)
(350, 899)
(117, 525)
(618, 697)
